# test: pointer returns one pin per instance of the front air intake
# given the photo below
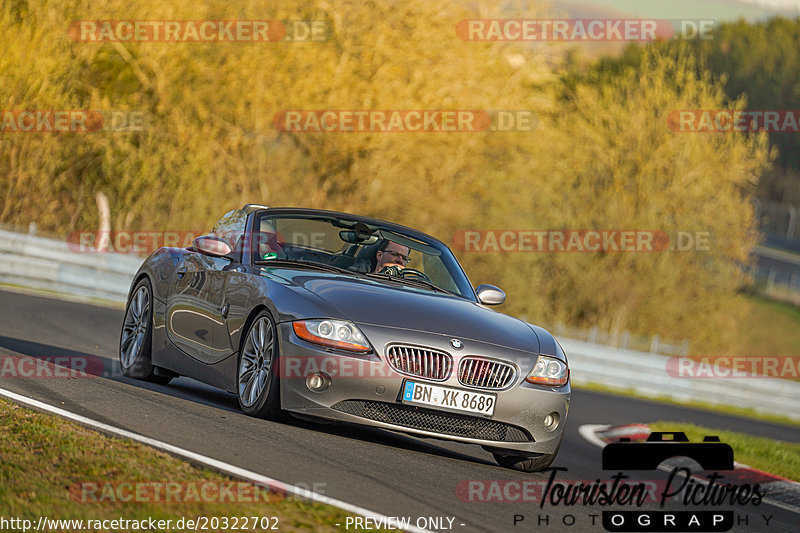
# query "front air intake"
(420, 362)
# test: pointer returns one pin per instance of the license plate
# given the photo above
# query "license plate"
(448, 398)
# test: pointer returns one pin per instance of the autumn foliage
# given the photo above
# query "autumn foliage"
(599, 154)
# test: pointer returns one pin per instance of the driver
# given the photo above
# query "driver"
(391, 254)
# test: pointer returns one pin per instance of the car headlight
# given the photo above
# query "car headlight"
(340, 334)
(549, 371)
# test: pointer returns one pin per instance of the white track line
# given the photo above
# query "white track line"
(213, 463)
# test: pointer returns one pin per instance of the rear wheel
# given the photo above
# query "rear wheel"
(136, 338)
(257, 382)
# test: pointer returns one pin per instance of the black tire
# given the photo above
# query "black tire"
(527, 463)
(257, 382)
(136, 337)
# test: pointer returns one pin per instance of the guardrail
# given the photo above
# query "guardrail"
(780, 222)
(48, 264)
(624, 340)
(42, 263)
(777, 274)
(647, 375)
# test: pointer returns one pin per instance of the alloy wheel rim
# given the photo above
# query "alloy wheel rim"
(256, 362)
(134, 328)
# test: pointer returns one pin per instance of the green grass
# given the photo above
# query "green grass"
(771, 328)
(714, 408)
(773, 456)
(43, 456)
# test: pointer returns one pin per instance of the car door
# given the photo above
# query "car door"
(197, 308)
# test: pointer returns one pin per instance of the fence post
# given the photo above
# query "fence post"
(792, 221)
(593, 335)
(770, 281)
(654, 344)
(626, 339)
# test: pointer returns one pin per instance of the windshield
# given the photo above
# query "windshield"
(353, 246)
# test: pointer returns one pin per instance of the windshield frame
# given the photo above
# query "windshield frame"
(439, 248)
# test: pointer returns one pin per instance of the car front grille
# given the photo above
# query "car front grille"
(485, 373)
(420, 362)
(434, 421)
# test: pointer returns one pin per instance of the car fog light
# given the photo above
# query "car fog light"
(551, 421)
(318, 382)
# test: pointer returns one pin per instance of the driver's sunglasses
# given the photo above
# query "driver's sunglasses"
(398, 255)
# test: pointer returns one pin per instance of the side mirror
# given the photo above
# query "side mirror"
(490, 295)
(212, 245)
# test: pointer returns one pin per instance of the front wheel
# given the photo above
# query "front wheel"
(527, 463)
(136, 338)
(257, 382)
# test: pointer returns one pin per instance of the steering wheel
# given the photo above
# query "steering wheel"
(404, 272)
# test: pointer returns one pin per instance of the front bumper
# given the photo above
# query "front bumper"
(364, 389)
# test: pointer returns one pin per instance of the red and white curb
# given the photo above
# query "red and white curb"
(780, 492)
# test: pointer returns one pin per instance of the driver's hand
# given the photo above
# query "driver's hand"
(391, 269)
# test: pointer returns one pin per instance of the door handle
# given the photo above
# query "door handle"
(225, 309)
(181, 273)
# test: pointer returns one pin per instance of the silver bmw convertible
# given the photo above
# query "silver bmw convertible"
(352, 319)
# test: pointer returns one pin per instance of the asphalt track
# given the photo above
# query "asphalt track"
(388, 473)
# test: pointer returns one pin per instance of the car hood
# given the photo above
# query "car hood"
(374, 302)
